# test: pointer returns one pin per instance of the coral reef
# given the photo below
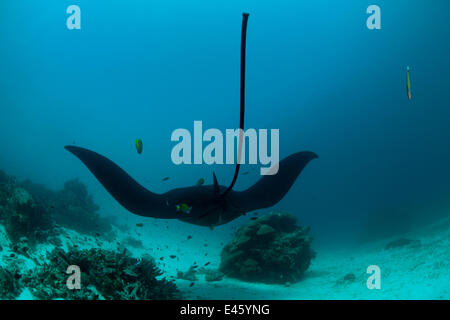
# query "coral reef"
(104, 274)
(10, 284)
(32, 210)
(21, 215)
(71, 207)
(75, 208)
(36, 224)
(270, 249)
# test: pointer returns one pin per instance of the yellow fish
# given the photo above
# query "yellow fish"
(408, 83)
(200, 181)
(140, 225)
(139, 146)
(183, 208)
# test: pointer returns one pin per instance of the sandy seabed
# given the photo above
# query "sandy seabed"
(407, 272)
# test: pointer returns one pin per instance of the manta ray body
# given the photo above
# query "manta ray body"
(210, 205)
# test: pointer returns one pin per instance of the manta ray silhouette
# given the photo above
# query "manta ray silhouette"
(211, 205)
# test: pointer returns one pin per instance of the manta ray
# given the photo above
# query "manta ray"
(210, 205)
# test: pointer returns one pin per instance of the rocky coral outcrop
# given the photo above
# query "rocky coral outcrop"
(71, 207)
(21, 215)
(270, 249)
(41, 233)
(104, 274)
(10, 284)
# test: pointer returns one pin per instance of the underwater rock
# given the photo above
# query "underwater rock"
(21, 196)
(75, 208)
(21, 215)
(71, 207)
(104, 274)
(24, 218)
(270, 249)
(265, 230)
(189, 275)
(347, 279)
(213, 275)
(135, 243)
(402, 242)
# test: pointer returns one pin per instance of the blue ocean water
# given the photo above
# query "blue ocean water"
(141, 69)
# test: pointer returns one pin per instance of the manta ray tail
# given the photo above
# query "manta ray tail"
(121, 186)
(270, 189)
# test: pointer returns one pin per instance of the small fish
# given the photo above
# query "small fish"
(192, 283)
(245, 173)
(200, 182)
(139, 146)
(189, 237)
(253, 218)
(162, 258)
(408, 83)
(165, 179)
(183, 208)
(140, 224)
(173, 256)
(207, 264)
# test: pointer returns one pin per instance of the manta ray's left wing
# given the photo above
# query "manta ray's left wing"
(122, 187)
